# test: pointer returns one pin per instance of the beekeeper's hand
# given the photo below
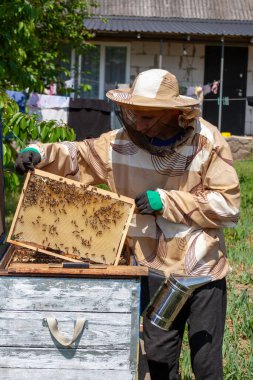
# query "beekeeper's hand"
(26, 160)
(148, 202)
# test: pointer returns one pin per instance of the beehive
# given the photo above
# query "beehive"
(64, 218)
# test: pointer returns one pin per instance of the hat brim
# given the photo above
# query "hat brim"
(125, 98)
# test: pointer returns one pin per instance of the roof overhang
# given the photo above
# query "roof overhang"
(174, 28)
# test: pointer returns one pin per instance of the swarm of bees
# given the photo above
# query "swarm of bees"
(28, 256)
(70, 219)
(25, 255)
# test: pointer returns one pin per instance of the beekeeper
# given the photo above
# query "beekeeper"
(179, 170)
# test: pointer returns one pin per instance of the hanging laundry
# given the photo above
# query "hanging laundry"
(198, 90)
(199, 93)
(206, 89)
(215, 87)
(70, 83)
(190, 91)
(49, 107)
(51, 89)
(88, 117)
(19, 98)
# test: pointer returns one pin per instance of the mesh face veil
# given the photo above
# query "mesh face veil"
(127, 119)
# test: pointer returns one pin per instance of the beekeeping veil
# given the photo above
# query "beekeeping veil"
(154, 89)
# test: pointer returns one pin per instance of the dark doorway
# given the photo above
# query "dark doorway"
(234, 87)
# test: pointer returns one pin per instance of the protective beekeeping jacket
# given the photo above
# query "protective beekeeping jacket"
(195, 178)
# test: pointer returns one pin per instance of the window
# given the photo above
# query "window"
(103, 67)
(115, 66)
(89, 72)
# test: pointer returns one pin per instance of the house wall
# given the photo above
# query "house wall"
(185, 60)
(249, 110)
(188, 67)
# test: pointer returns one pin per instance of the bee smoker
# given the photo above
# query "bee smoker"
(170, 298)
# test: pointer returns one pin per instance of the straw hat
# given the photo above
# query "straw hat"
(156, 88)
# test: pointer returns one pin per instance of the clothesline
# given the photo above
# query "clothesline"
(203, 90)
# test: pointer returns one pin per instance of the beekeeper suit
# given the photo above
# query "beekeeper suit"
(179, 170)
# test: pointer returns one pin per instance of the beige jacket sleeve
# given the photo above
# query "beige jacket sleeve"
(76, 160)
(215, 202)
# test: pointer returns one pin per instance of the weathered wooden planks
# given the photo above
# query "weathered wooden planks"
(109, 271)
(14, 357)
(65, 374)
(107, 348)
(29, 329)
(57, 294)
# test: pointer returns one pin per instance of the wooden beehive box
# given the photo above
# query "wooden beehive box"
(66, 219)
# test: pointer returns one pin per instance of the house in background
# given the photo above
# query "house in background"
(207, 44)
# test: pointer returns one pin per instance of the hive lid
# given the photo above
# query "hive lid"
(2, 213)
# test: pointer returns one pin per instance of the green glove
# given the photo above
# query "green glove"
(149, 202)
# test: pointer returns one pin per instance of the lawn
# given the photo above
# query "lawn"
(238, 340)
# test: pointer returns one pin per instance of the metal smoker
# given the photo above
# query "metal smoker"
(170, 298)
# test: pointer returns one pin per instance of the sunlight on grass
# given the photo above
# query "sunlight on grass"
(237, 347)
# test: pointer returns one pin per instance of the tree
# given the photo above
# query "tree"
(34, 37)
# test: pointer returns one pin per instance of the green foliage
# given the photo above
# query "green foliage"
(11, 200)
(239, 240)
(33, 36)
(237, 347)
(35, 40)
(19, 130)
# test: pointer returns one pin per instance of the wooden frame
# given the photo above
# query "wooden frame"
(54, 211)
(9, 268)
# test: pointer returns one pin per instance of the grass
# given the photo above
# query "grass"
(238, 339)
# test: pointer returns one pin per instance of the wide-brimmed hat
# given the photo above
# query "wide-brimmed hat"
(152, 89)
